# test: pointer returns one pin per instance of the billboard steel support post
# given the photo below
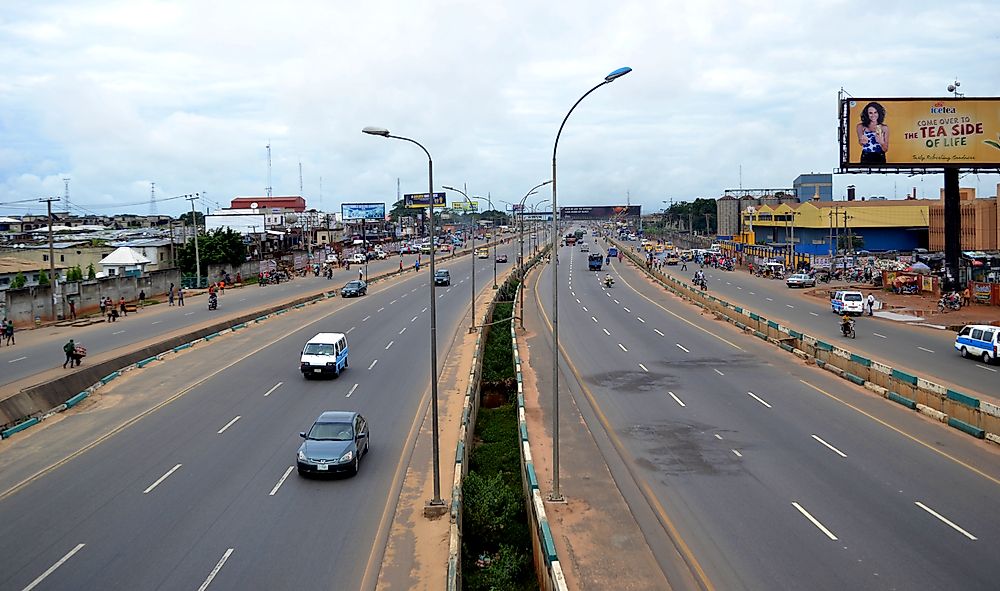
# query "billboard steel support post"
(952, 227)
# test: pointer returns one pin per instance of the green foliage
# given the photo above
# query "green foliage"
(19, 281)
(497, 450)
(498, 355)
(43, 278)
(74, 274)
(186, 218)
(508, 570)
(218, 247)
(91, 273)
(693, 212)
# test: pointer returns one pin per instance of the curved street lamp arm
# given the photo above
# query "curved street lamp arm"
(563, 124)
(406, 139)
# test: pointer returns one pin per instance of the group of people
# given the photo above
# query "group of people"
(175, 292)
(7, 332)
(112, 309)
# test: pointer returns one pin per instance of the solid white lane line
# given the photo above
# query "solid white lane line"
(639, 318)
(945, 520)
(365, 319)
(814, 314)
(118, 332)
(414, 318)
(594, 319)
(350, 329)
(717, 436)
(718, 372)
(216, 570)
(657, 331)
(759, 399)
(881, 336)
(626, 309)
(273, 388)
(281, 481)
(161, 479)
(676, 399)
(622, 347)
(373, 364)
(389, 345)
(52, 568)
(977, 365)
(606, 331)
(833, 449)
(228, 425)
(18, 359)
(643, 367)
(351, 391)
(682, 348)
(814, 521)
(927, 350)
(738, 454)
(402, 331)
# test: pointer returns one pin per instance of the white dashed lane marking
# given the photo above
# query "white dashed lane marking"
(657, 331)
(814, 521)
(830, 447)
(945, 520)
(606, 331)
(682, 348)
(759, 399)
(622, 347)
(676, 399)
(718, 372)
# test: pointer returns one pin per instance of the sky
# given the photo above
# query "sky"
(116, 95)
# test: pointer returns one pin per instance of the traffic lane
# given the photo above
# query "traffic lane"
(291, 453)
(929, 353)
(708, 377)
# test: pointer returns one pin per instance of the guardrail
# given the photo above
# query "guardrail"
(470, 409)
(969, 414)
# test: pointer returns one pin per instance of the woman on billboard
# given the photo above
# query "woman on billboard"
(873, 134)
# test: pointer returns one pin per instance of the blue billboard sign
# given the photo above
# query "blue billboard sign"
(415, 200)
(363, 211)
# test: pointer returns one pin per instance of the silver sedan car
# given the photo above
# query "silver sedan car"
(800, 280)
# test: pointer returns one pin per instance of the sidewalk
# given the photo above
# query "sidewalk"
(597, 536)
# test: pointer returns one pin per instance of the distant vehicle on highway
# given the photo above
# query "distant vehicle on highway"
(483, 253)
(502, 258)
(357, 259)
(354, 288)
(335, 443)
(442, 277)
(584, 247)
(324, 354)
(800, 280)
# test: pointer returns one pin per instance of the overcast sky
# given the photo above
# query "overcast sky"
(118, 94)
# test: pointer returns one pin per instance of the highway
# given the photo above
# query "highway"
(926, 352)
(202, 492)
(40, 350)
(770, 473)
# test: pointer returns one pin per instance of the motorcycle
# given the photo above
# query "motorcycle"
(213, 301)
(950, 301)
(847, 328)
(608, 282)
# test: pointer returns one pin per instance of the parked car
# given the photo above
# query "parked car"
(800, 280)
(501, 258)
(356, 259)
(335, 443)
(442, 277)
(353, 289)
(849, 302)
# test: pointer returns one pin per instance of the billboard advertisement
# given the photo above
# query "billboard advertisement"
(416, 200)
(242, 223)
(599, 212)
(912, 133)
(471, 205)
(362, 211)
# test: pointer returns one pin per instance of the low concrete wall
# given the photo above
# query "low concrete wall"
(969, 414)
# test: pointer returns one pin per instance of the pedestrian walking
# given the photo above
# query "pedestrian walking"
(72, 309)
(102, 305)
(361, 274)
(68, 349)
(180, 296)
(870, 303)
(142, 298)
(121, 306)
(170, 295)
(9, 332)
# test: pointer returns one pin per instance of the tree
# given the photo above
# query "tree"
(218, 247)
(91, 273)
(19, 281)
(74, 274)
(200, 217)
(43, 278)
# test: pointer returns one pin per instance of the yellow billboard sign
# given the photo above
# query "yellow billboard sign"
(908, 133)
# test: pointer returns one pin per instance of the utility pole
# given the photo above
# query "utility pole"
(66, 192)
(52, 261)
(173, 259)
(194, 221)
(268, 188)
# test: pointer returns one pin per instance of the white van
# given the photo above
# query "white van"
(979, 340)
(850, 302)
(324, 354)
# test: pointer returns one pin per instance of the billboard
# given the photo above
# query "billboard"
(914, 133)
(416, 200)
(599, 212)
(472, 205)
(362, 211)
(242, 223)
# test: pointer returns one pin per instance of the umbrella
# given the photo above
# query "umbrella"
(919, 268)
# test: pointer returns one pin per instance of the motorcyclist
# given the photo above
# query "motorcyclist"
(608, 280)
(846, 324)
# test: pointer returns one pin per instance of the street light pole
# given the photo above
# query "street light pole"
(197, 256)
(532, 191)
(435, 507)
(556, 495)
(473, 327)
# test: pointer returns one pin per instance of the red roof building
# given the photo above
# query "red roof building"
(287, 202)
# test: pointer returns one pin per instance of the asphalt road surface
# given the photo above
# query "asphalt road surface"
(775, 474)
(927, 352)
(202, 493)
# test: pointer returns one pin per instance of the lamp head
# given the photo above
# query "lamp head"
(376, 131)
(446, 187)
(617, 74)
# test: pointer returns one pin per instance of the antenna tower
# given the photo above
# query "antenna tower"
(66, 192)
(300, 178)
(152, 198)
(268, 188)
